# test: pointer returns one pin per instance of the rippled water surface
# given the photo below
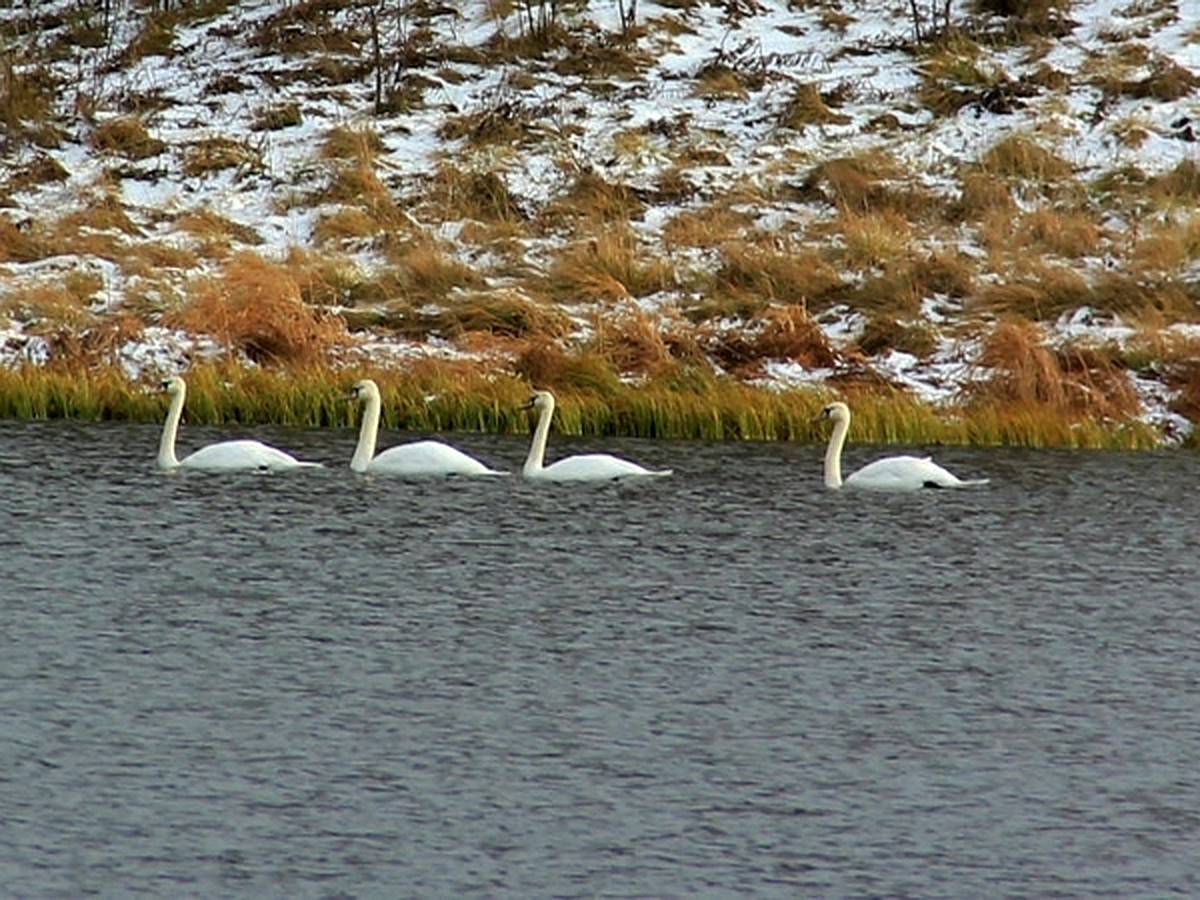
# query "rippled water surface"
(728, 682)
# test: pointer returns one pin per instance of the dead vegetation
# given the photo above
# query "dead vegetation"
(661, 255)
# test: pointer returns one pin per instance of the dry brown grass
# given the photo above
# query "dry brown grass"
(20, 243)
(216, 154)
(1075, 381)
(806, 106)
(777, 333)
(255, 307)
(608, 267)
(426, 273)
(707, 227)
(1021, 157)
(591, 200)
(126, 136)
(216, 233)
(786, 274)
(873, 239)
(453, 194)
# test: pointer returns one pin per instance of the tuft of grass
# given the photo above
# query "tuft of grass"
(126, 136)
(609, 267)
(19, 243)
(255, 307)
(591, 199)
(454, 194)
(784, 274)
(216, 154)
(776, 333)
(1076, 382)
(216, 233)
(806, 106)
(424, 272)
(1020, 156)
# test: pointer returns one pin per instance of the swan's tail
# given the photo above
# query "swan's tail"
(972, 482)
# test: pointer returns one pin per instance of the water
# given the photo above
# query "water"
(728, 682)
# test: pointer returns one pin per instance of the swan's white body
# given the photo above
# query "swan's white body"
(587, 467)
(894, 473)
(227, 456)
(421, 458)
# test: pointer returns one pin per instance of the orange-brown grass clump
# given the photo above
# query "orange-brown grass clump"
(611, 266)
(1021, 157)
(255, 307)
(777, 333)
(453, 194)
(216, 233)
(19, 244)
(869, 182)
(752, 275)
(1073, 383)
(591, 200)
(424, 272)
(635, 343)
(217, 153)
(126, 136)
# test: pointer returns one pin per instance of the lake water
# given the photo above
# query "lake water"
(728, 682)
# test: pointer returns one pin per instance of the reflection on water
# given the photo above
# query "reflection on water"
(729, 681)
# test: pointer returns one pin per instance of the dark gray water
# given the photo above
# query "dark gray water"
(729, 682)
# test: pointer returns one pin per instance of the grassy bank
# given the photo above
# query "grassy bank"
(443, 398)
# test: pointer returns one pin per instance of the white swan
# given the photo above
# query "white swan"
(226, 456)
(588, 467)
(893, 473)
(418, 458)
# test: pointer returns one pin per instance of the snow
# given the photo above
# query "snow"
(786, 44)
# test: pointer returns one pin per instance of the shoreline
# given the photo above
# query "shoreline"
(443, 398)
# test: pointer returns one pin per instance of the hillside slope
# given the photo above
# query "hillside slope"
(997, 209)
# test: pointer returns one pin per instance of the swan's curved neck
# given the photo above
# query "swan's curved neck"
(537, 450)
(833, 454)
(166, 444)
(368, 432)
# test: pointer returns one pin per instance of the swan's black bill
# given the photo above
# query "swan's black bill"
(529, 404)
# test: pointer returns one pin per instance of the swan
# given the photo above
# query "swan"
(226, 456)
(893, 473)
(418, 458)
(588, 467)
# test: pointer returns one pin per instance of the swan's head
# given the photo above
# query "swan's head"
(173, 386)
(362, 390)
(539, 400)
(837, 411)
